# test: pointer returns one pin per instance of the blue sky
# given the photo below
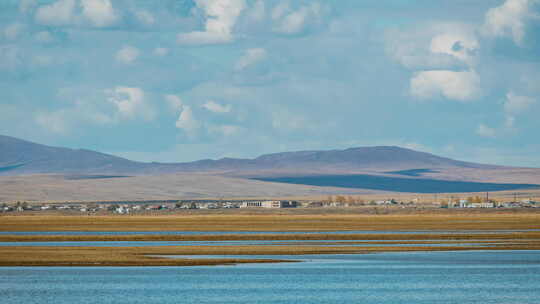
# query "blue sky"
(181, 80)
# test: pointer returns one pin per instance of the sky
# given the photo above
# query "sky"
(182, 80)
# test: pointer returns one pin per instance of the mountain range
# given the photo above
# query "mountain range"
(19, 157)
(35, 172)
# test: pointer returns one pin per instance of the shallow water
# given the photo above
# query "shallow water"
(421, 277)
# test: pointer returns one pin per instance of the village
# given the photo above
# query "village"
(162, 206)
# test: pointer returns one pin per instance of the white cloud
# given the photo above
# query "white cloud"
(458, 45)
(296, 21)
(508, 19)
(130, 103)
(434, 46)
(175, 103)
(186, 121)
(161, 51)
(215, 107)
(56, 13)
(127, 54)
(145, 17)
(516, 104)
(461, 86)
(251, 56)
(486, 131)
(221, 16)
(100, 12)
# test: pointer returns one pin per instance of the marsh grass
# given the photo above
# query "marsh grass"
(275, 222)
(150, 256)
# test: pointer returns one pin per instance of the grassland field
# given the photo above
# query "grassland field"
(491, 233)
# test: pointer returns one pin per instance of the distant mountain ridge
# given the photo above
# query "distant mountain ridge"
(23, 157)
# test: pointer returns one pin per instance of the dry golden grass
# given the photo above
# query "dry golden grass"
(531, 235)
(273, 222)
(103, 256)
(146, 256)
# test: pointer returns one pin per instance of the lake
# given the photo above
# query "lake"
(399, 184)
(409, 277)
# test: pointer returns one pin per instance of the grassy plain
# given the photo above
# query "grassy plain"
(146, 256)
(291, 220)
(488, 222)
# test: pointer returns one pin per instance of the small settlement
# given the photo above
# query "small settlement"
(136, 207)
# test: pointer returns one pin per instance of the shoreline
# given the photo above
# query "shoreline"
(146, 256)
(492, 231)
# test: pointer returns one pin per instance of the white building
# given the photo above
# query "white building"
(268, 204)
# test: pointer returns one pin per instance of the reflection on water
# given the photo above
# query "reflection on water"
(419, 277)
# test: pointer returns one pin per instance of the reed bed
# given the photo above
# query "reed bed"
(532, 235)
(146, 256)
(275, 222)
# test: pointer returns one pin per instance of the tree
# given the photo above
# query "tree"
(341, 199)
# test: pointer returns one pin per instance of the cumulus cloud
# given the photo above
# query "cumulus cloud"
(127, 54)
(516, 104)
(486, 131)
(100, 12)
(251, 57)
(56, 13)
(459, 45)
(130, 103)
(460, 86)
(508, 19)
(95, 13)
(434, 46)
(186, 121)
(215, 107)
(174, 102)
(221, 16)
(295, 21)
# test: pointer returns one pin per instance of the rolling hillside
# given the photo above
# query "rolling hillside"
(23, 157)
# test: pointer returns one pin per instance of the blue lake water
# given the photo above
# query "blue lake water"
(486, 277)
(398, 184)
